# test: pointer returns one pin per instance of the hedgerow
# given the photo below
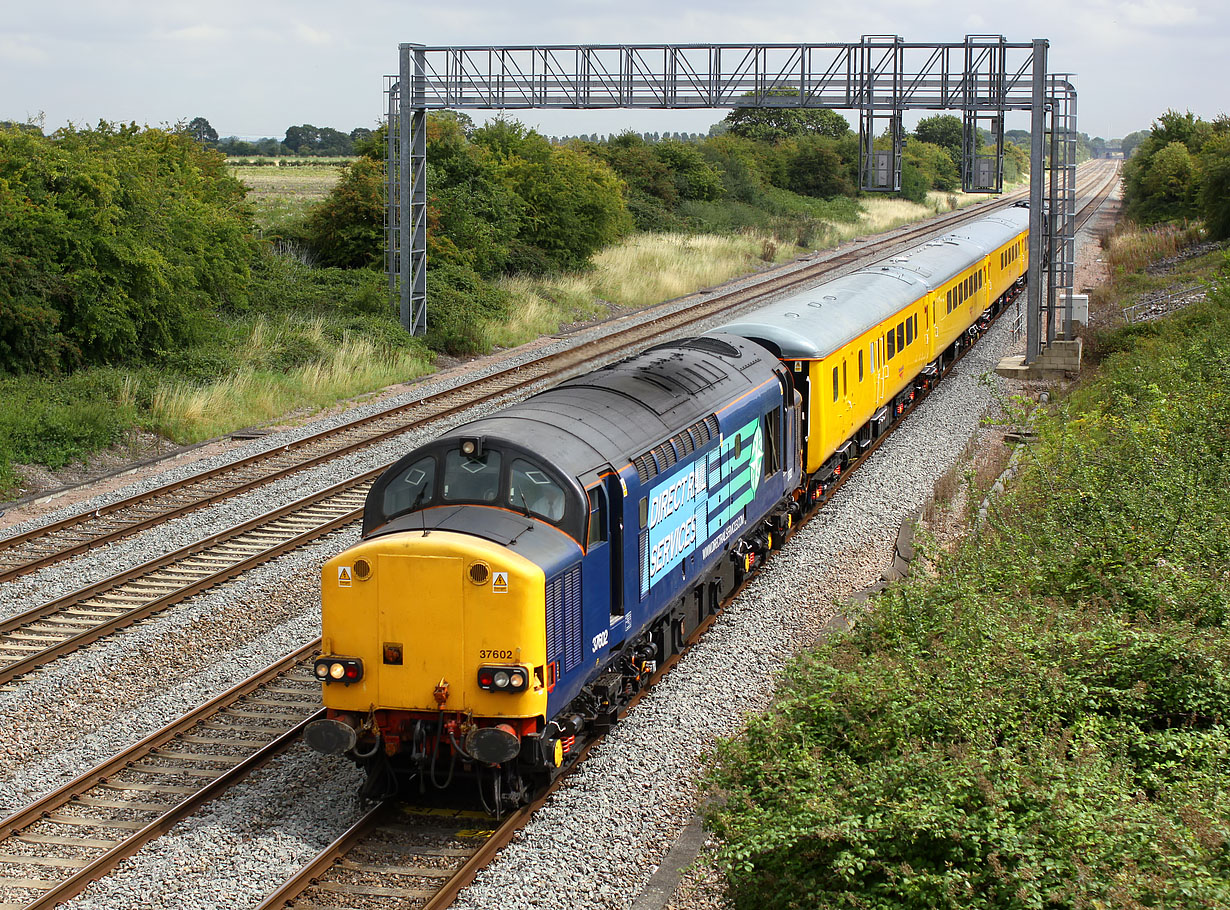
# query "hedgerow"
(1046, 721)
(114, 241)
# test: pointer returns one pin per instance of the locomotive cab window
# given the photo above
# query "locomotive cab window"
(471, 478)
(412, 489)
(531, 489)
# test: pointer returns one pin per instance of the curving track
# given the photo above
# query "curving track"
(187, 759)
(40, 547)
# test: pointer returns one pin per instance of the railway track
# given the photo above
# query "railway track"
(41, 547)
(55, 847)
(52, 849)
(43, 633)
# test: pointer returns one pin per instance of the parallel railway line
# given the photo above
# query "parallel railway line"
(54, 847)
(148, 792)
(43, 546)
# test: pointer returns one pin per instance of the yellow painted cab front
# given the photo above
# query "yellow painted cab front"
(426, 613)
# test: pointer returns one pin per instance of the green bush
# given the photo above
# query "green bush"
(1046, 722)
(461, 302)
(53, 422)
(116, 239)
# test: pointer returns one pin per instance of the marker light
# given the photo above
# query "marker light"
(503, 679)
(338, 669)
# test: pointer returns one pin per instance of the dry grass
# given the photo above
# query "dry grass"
(645, 269)
(252, 396)
(1132, 248)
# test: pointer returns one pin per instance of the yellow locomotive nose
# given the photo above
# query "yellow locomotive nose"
(431, 617)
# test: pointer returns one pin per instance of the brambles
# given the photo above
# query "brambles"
(1046, 722)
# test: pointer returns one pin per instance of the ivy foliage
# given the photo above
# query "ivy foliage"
(114, 240)
(1045, 723)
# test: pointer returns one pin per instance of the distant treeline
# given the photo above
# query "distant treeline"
(305, 139)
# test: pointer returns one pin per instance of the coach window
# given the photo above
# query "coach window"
(909, 331)
(860, 365)
(915, 318)
(901, 336)
(835, 387)
(890, 339)
(413, 488)
(845, 388)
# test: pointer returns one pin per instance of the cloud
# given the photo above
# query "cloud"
(197, 34)
(22, 49)
(1152, 14)
(314, 36)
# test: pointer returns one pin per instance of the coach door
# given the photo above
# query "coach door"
(877, 367)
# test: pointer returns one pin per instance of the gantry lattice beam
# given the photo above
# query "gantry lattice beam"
(880, 76)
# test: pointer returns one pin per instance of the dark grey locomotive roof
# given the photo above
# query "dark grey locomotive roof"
(617, 412)
(818, 321)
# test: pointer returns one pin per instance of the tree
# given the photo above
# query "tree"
(815, 168)
(692, 175)
(347, 229)
(943, 130)
(115, 239)
(1131, 142)
(1214, 163)
(318, 140)
(773, 124)
(933, 164)
(200, 130)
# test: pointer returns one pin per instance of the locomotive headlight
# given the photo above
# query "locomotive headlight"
(322, 670)
(501, 679)
(337, 671)
(516, 680)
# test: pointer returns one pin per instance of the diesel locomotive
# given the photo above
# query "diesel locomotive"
(521, 577)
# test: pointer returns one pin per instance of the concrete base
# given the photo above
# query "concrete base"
(1058, 360)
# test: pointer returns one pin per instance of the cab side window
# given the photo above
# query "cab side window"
(532, 489)
(597, 516)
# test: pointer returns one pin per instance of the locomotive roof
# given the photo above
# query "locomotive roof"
(618, 412)
(813, 323)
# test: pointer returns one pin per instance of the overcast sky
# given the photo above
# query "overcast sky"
(254, 68)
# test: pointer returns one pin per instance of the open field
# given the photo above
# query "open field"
(282, 189)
